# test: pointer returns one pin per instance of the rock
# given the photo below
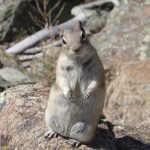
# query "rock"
(133, 138)
(128, 97)
(23, 95)
(22, 124)
(11, 76)
(127, 29)
(125, 37)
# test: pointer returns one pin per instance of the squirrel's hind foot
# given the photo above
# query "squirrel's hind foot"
(73, 143)
(50, 134)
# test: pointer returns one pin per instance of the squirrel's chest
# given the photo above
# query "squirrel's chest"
(77, 68)
(72, 72)
(78, 75)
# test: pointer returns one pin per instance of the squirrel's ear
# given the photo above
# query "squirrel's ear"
(81, 26)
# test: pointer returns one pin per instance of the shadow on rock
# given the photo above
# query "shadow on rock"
(107, 138)
(130, 143)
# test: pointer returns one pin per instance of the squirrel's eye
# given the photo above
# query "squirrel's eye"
(64, 41)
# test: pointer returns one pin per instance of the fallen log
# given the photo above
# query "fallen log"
(36, 50)
(23, 58)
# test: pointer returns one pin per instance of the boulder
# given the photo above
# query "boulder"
(22, 124)
(127, 30)
(128, 95)
(11, 77)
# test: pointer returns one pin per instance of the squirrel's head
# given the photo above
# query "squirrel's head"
(73, 38)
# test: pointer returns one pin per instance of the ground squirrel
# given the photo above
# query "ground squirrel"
(77, 97)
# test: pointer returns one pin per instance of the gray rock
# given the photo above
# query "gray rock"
(22, 126)
(127, 29)
(128, 95)
(11, 76)
(24, 96)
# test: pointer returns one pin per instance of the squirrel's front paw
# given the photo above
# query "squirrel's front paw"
(68, 94)
(87, 93)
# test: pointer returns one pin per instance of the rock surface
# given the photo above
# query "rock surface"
(11, 77)
(22, 125)
(128, 97)
(127, 31)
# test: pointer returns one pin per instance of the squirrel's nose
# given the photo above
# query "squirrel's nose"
(75, 48)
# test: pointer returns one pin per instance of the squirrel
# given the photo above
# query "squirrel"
(77, 97)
